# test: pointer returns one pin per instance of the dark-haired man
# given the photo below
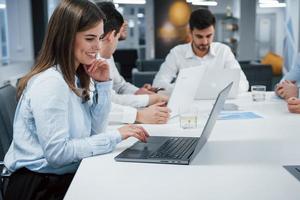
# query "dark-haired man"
(202, 51)
(127, 98)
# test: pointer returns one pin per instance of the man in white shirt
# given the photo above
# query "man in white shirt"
(127, 98)
(202, 51)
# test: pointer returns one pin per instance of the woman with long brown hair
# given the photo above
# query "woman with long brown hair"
(63, 107)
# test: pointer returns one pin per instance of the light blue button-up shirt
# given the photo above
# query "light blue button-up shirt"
(294, 73)
(54, 130)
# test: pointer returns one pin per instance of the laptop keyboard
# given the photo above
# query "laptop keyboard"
(174, 148)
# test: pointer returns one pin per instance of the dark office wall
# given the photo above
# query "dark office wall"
(171, 19)
(39, 23)
(170, 28)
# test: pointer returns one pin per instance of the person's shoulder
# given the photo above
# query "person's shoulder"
(111, 62)
(49, 78)
(52, 73)
(219, 45)
(181, 48)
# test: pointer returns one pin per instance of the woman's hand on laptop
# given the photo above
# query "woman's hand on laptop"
(154, 114)
(134, 131)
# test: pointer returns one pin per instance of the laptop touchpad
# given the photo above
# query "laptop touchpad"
(142, 150)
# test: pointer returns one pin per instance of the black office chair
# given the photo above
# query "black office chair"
(139, 78)
(145, 71)
(127, 59)
(258, 74)
(149, 65)
(8, 104)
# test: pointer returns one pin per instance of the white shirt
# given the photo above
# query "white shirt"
(182, 56)
(124, 100)
(124, 91)
(122, 114)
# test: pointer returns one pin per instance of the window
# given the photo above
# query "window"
(136, 39)
(3, 33)
(51, 7)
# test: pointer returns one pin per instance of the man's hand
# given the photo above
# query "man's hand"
(287, 89)
(146, 89)
(155, 114)
(294, 105)
(158, 98)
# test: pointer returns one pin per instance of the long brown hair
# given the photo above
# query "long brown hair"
(69, 17)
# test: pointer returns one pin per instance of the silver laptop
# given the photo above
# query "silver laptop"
(185, 89)
(214, 81)
(174, 150)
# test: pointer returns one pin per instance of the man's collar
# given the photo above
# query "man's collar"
(189, 53)
(212, 49)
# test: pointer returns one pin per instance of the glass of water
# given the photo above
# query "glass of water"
(188, 118)
(258, 92)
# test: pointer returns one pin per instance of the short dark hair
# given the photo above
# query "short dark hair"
(114, 19)
(201, 19)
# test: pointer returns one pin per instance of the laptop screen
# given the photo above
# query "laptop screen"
(185, 88)
(213, 82)
(218, 105)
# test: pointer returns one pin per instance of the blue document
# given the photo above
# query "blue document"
(238, 115)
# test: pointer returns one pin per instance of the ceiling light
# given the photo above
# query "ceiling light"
(140, 15)
(130, 1)
(274, 4)
(2, 6)
(204, 3)
(267, 1)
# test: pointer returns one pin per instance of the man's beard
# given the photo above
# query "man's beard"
(203, 47)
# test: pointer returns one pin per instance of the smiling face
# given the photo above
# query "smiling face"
(202, 39)
(87, 45)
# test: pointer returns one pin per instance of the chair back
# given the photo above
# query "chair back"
(149, 65)
(139, 78)
(8, 104)
(258, 74)
(127, 59)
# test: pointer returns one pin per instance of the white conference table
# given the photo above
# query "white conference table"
(242, 160)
